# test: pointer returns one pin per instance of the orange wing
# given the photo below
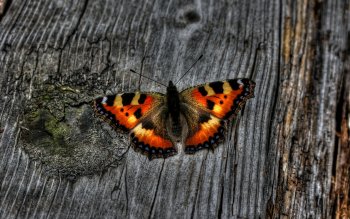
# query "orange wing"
(207, 106)
(143, 115)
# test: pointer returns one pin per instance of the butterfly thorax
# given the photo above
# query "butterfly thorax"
(173, 102)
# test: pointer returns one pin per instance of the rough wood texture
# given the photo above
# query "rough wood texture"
(287, 154)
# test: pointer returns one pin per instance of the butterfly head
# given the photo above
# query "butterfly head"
(171, 88)
(171, 84)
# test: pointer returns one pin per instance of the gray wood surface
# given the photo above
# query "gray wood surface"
(286, 155)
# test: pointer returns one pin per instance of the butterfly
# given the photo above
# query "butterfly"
(196, 116)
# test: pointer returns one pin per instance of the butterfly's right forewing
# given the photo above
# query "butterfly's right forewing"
(208, 105)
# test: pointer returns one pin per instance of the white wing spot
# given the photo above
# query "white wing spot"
(104, 100)
(239, 81)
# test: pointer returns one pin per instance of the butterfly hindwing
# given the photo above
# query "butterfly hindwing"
(204, 130)
(142, 114)
(207, 107)
(151, 138)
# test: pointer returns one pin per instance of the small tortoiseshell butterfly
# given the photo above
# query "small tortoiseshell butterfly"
(155, 120)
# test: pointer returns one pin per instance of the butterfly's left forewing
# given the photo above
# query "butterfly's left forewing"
(141, 114)
(207, 106)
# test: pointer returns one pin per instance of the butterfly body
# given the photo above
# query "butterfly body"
(174, 109)
(196, 116)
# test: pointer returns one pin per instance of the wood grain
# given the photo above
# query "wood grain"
(284, 156)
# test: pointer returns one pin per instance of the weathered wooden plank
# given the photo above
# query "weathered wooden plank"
(58, 160)
(313, 53)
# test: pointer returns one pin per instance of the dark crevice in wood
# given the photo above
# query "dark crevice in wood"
(338, 123)
(234, 172)
(79, 104)
(118, 184)
(77, 25)
(59, 63)
(198, 186)
(141, 71)
(156, 191)
(318, 41)
(221, 199)
(273, 121)
(223, 179)
(126, 151)
(257, 49)
(126, 187)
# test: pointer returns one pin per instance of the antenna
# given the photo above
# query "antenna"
(189, 69)
(133, 71)
(141, 70)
